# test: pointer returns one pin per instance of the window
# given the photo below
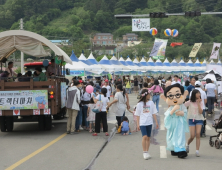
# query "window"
(104, 37)
(110, 51)
(99, 37)
(104, 42)
(98, 42)
(110, 38)
(110, 42)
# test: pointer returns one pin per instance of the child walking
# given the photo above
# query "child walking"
(196, 119)
(134, 118)
(125, 126)
(91, 115)
(145, 112)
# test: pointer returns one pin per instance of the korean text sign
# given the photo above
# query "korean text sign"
(27, 99)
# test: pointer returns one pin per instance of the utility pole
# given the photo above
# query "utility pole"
(22, 54)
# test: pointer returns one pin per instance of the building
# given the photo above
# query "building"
(130, 37)
(103, 39)
(106, 49)
(60, 42)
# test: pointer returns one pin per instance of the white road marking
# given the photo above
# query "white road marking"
(163, 153)
(216, 109)
(208, 127)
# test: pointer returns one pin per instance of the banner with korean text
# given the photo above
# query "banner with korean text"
(195, 49)
(20, 100)
(215, 51)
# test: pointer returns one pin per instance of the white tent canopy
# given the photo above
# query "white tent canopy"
(29, 43)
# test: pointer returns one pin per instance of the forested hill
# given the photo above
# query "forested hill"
(77, 19)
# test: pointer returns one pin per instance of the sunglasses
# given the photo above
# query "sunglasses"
(172, 96)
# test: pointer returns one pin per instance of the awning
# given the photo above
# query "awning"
(29, 43)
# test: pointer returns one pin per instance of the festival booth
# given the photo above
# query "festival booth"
(32, 100)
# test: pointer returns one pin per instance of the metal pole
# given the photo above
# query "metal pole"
(22, 54)
(167, 14)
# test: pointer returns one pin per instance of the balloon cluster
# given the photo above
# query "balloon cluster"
(168, 32)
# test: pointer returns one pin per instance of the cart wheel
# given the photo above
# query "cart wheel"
(41, 122)
(217, 144)
(48, 122)
(211, 143)
(3, 124)
(9, 123)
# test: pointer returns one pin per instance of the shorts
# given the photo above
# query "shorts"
(146, 130)
(122, 132)
(196, 122)
(136, 88)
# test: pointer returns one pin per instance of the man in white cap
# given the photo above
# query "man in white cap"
(204, 100)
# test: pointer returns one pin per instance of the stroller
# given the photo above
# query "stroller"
(217, 125)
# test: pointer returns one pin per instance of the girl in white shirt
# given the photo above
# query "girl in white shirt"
(145, 112)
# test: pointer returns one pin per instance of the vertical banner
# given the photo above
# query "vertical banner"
(162, 48)
(215, 51)
(63, 94)
(195, 49)
(141, 24)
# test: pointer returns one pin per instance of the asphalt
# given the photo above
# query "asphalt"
(82, 150)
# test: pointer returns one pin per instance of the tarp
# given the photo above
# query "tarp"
(29, 43)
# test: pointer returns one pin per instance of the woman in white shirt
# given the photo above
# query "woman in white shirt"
(119, 103)
(101, 115)
(145, 112)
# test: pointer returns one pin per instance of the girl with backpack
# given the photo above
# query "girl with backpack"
(146, 112)
(157, 90)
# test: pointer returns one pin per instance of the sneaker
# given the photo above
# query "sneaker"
(94, 134)
(68, 132)
(145, 156)
(197, 154)
(107, 134)
(187, 148)
(148, 155)
(81, 128)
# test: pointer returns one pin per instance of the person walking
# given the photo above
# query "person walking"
(211, 90)
(136, 88)
(107, 86)
(119, 103)
(157, 90)
(146, 112)
(187, 83)
(169, 81)
(128, 86)
(176, 80)
(72, 105)
(204, 101)
(196, 119)
(102, 115)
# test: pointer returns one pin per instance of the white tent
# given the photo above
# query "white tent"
(166, 65)
(137, 63)
(108, 65)
(131, 65)
(118, 64)
(174, 66)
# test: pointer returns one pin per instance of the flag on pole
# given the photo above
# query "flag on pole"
(195, 49)
(173, 44)
(215, 51)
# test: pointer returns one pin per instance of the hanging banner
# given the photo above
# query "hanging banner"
(162, 49)
(195, 49)
(27, 99)
(215, 51)
(156, 48)
(63, 94)
(141, 24)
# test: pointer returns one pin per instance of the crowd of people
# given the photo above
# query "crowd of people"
(84, 117)
(38, 75)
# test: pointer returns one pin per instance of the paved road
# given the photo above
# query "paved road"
(28, 148)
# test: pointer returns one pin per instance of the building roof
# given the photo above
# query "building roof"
(103, 34)
(104, 47)
(131, 34)
(59, 41)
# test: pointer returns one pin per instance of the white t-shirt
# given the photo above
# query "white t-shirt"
(145, 112)
(119, 107)
(174, 82)
(203, 95)
(104, 100)
(108, 90)
(210, 87)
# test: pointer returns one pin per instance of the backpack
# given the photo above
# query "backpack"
(98, 105)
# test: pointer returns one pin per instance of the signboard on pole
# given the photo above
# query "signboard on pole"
(141, 24)
(20, 100)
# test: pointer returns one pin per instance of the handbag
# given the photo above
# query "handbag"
(98, 106)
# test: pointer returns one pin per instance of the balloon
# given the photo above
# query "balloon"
(167, 32)
(45, 63)
(89, 89)
(174, 33)
(153, 31)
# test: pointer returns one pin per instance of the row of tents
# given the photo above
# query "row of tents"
(121, 66)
